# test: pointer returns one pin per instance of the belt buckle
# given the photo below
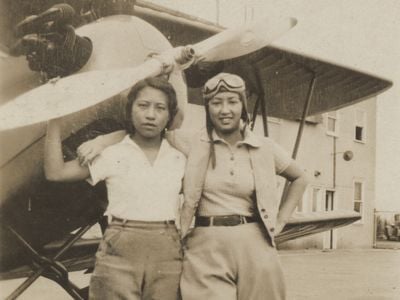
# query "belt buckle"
(232, 220)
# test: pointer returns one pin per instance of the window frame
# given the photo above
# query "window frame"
(336, 119)
(317, 202)
(363, 125)
(361, 201)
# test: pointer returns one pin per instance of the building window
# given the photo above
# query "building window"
(358, 197)
(360, 126)
(359, 133)
(303, 202)
(329, 200)
(332, 123)
(299, 207)
(315, 199)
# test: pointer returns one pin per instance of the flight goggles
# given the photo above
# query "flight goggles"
(223, 82)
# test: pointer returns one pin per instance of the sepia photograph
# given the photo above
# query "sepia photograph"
(200, 150)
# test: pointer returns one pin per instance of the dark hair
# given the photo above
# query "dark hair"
(209, 125)
(156, 83)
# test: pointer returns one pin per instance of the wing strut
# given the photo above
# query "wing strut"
(50, 267)
(254, 115)
(301, 127)
(261, 101)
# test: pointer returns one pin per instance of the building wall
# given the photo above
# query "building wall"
(316, 155)
(362, 167)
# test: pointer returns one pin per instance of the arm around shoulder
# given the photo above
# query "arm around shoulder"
(180, 139)
(88, 151)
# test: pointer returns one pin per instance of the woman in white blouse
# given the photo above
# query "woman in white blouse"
(140, 255)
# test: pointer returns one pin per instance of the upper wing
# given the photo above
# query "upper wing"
(284, 79)
(285, 76)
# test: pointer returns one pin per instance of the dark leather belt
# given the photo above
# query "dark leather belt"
(231, 220)
(127, 222)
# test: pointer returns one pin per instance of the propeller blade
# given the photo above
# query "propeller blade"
(77, 92)
(239, 41)
(71, 94)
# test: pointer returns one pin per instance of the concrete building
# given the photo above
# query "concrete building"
(339, 153)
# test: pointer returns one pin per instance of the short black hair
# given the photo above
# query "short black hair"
(156, 83)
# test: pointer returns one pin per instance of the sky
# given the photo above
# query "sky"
(360, 34)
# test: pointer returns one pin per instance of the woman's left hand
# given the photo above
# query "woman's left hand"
(88, 150)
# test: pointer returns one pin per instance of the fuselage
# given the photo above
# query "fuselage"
(118, 42)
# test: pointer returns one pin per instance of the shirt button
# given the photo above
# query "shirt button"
(232, 158)
(262, 209)
(272, 229)
(231, 172)
(265, 216)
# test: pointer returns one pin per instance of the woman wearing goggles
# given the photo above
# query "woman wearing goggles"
(229, 82)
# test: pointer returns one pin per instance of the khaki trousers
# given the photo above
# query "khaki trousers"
(138, 262)
(231, 262)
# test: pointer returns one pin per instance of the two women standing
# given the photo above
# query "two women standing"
(230, 190)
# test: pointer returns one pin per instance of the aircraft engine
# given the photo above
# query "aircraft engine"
(50, 43)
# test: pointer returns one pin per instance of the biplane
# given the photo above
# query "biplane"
(83, 73)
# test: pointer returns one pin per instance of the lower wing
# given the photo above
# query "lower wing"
(303, 224)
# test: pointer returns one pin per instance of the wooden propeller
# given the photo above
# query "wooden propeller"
(70, 94)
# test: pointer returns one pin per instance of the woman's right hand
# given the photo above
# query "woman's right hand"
(89, 150)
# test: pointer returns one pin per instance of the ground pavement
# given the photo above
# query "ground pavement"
(342, 274)
(310, 274)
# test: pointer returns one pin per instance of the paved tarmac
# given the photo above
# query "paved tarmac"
(310, 274)
(342, 274)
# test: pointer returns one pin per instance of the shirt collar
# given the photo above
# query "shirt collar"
(127, 140)
(249, 138)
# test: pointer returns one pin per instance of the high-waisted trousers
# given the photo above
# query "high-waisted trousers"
(138, 260)
(229, 263)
